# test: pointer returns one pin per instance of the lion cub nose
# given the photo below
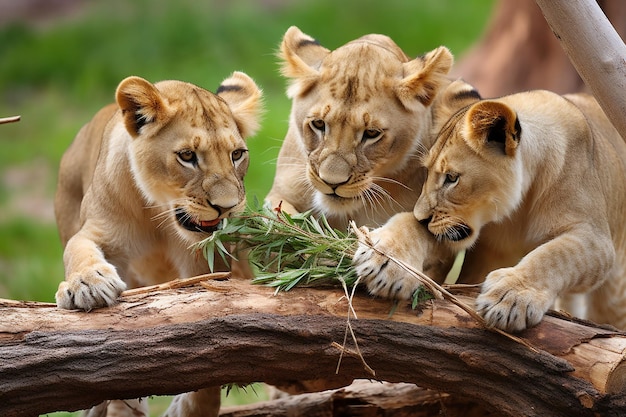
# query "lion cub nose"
(222, 205)
(223, 197)
(335, 171)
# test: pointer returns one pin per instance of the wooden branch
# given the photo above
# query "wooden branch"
(364, 398)
(231, 331)
(596, 51)
(11, 119)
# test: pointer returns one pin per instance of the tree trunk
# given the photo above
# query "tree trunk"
(599, 55)
(222, 332)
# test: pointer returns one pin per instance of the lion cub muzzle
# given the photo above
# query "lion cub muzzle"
(335, 171)
(204, 213)
(445, 229)
(185, 220)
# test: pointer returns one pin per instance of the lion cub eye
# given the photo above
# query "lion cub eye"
(369, 134)
(187, 156)
(318, 124)
(237, 154)
(451, 178)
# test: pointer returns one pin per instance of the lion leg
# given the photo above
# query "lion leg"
(574, 304)
(201, 403)
(90, 280)
(516, 298)
(606, 303)
(119, 408)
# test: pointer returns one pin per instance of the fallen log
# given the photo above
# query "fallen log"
(220, 332)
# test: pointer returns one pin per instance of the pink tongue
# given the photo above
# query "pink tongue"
(209, 223)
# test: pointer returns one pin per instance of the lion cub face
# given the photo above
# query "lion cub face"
(188, 155)
(360, 112)
(474, 173)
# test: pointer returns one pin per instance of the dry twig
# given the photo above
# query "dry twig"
(11, 119)
(178, 283)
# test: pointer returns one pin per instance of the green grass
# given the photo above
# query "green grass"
(31, 268)
(58, 74)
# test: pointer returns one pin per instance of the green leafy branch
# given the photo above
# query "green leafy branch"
(290, 250)
(286, 250)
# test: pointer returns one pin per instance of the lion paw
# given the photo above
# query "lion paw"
(98, 286)
(508, 303)
(382, 276)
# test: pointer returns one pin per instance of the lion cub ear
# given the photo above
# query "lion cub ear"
(424, 76)
(141, 103)
(301, 57)
(494, 125)
(244, 98)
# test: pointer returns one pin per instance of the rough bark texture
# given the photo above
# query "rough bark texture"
(231, 331)
(519, 52)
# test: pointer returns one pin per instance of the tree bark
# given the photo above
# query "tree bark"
(231, 331)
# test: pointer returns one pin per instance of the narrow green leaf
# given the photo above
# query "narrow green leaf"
(209, 253)
(287, 250)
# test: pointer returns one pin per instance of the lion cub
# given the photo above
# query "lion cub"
(361, 116)
(533, 185)
(146, 179)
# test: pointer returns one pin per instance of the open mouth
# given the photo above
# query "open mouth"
(458, 232)
(455, 233)
(206, 226)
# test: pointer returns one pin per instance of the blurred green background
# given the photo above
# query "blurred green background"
(57, 70)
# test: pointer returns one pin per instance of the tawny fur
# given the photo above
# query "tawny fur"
(144, 180)
(533, 185)
(361, 117)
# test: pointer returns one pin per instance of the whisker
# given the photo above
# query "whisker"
(420, 150)
(373, 198)
(164, 213)
(369, 202)
(295, 159)
(392, 181)
(451, 232)
(384, 194)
